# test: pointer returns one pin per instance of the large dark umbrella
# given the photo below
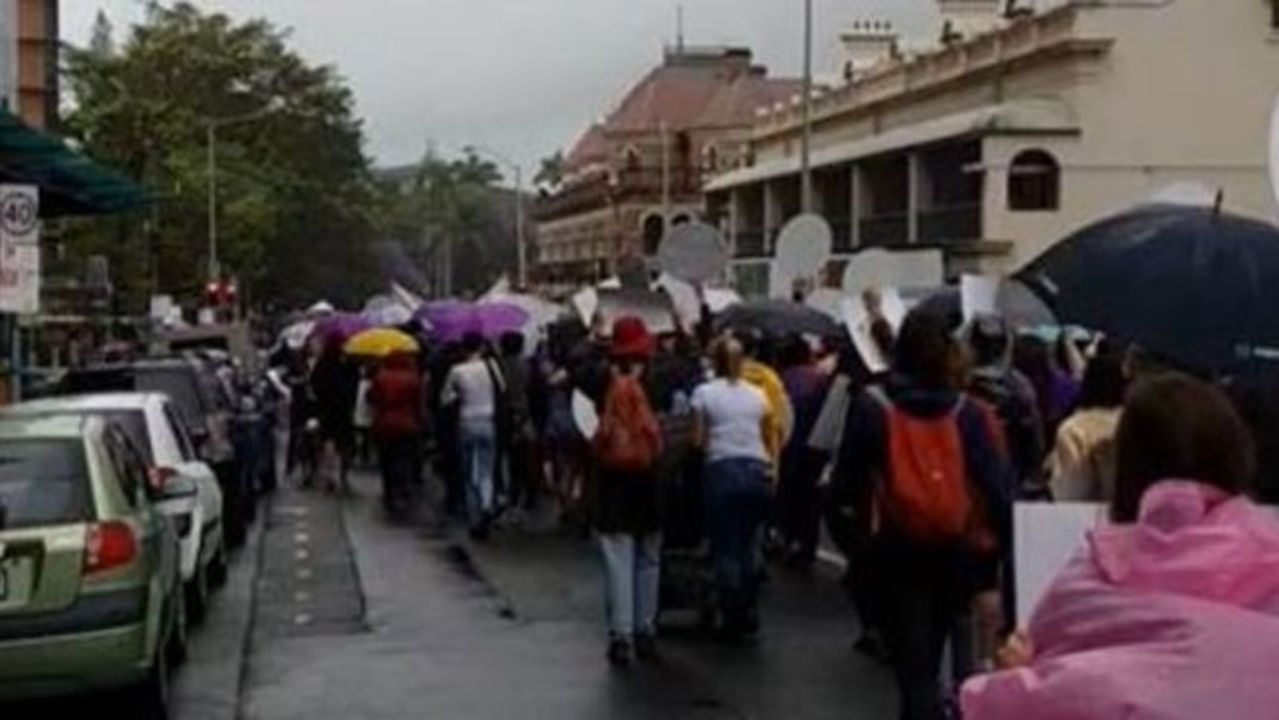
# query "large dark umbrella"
(778, 317)
(1190, 284)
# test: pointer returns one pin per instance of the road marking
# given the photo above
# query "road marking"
(302, 619)
(301, 597)
(302, 555)
(301, 538)
(304, 574)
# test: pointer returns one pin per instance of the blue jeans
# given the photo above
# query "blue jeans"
(737, 504)
(479, 450)
(632, 565)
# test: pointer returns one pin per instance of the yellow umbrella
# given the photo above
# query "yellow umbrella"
(380, 342)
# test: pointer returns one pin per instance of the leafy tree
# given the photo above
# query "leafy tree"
(102, 42)
(452, 212)
(296, 201)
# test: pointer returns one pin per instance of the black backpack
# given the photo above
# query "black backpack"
(1014, 403)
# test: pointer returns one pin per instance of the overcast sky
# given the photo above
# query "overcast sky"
(524, 77)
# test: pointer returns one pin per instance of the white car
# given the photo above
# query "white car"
(152, 424)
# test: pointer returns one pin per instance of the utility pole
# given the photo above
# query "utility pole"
(806, 144)
(521, 242)
(215, 267)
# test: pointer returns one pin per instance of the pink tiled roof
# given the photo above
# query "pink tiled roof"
(694, 91)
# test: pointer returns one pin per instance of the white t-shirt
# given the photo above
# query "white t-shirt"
(470, 384)
(733, 413)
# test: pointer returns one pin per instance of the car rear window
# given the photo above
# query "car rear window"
(134, 425)
(43, 482)
(181, 385)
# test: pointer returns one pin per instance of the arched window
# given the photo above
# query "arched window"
(652, 231)
(1034, 181)
(631, 157)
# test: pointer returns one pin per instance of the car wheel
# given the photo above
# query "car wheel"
(218, 568)
(197, 594)
(150, 699)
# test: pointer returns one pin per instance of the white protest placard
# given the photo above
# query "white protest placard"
(978, 295)
(803, 247)
(896, 268)
(19, 249)
(585, 417)
(858, 321)
(693, 252)
(586, 302)
(683, 296)
(1045, 537)
(893, 307)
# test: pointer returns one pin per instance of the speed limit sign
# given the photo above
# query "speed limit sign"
(19, 212)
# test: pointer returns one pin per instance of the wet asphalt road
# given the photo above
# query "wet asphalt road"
(333, 612)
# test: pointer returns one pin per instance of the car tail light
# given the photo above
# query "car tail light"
(109, 545)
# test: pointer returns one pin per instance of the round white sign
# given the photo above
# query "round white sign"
(694, 252)
(803, 247)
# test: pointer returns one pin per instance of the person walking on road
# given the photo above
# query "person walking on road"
(926, 455)
(732, 423)
(626, 449)
(395, 400)
(474, 385)
(801, 467)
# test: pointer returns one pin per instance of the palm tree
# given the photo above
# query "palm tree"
(551, 171)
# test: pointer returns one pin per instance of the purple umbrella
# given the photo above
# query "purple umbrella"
(340, 327)
(450, 321)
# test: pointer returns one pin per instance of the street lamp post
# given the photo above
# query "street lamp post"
(806, 144)
(212, 125)
(521, 246)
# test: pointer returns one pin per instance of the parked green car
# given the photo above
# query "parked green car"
(90, 590)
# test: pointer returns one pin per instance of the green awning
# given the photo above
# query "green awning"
(70, 183)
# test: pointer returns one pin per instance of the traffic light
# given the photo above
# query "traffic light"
(220, 293)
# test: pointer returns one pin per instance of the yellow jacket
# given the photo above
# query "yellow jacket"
(777, 418)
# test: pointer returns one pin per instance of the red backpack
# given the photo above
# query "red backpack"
(925, 492)
(629, 438)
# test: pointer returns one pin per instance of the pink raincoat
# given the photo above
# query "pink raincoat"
(1173, 618)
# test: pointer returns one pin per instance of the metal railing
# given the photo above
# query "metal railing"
(750, 243)
(952, 224)
(890, 230)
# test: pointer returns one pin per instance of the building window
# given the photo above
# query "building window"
(1034, 182)
(711, 156)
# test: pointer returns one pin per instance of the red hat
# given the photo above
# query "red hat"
(631, 339)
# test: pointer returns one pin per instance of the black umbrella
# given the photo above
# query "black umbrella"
(778, 317)
(1189, 284)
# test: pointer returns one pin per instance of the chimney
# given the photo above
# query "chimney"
(969, 18)
(867, 43)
